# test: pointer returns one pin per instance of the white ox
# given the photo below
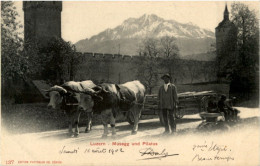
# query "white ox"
(64, 97)
(107, 99)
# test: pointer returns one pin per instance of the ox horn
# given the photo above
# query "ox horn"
(99, 89)
(105, 90)
(56, 88)
(93, 93)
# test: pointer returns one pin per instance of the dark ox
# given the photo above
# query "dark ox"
(108, 99)
(64, 97)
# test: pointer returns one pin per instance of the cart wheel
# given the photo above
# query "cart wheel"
(201, 126)
(130, 118)
(179, 114)
(161, 117)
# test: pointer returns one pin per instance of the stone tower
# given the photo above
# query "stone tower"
(224, 30)
(226, 38)
(42, 20)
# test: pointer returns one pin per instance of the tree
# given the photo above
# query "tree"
(149, 66)
(169, 48)
(248, 34)
(170, 51)
(246, 22)
(147, 70)
(244, 73)
(149, 47)
(14, 64)
(60, 61)
(35, 58)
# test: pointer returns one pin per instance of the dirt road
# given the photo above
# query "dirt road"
(147, 128)
(54, 145)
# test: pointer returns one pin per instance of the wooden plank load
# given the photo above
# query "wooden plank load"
(189, 103)
(150, 105)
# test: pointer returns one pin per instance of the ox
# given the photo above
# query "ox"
(108, 99)
(64, 97)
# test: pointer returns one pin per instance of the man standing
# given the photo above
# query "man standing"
(168, 100)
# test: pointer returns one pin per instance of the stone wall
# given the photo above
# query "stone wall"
(122, 68)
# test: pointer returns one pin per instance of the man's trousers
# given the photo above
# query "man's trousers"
(169, 120)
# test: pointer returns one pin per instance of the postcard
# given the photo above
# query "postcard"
(130, 83)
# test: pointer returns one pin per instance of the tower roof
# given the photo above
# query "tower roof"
(226, 9)
(226, 13)
(226, 19)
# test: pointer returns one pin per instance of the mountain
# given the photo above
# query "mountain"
(126, 38)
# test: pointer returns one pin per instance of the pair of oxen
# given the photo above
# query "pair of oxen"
(105, 99)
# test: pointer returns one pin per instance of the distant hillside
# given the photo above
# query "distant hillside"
(126, 37)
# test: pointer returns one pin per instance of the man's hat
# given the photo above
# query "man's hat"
(166, 75)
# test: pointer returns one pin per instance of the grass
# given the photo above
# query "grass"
(28, 118)
(24, 118)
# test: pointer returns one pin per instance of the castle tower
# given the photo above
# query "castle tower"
(42, 20)
(224, 30)
(226, 38)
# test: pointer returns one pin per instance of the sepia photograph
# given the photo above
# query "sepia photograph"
(130, 83)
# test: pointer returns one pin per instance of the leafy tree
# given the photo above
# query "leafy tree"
(35, 58)
(246, 22)
(14, 64)
(244, 74)
(60, 61)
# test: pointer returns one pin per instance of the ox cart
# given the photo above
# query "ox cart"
(189, 103)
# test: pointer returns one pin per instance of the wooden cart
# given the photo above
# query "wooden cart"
(189, 103)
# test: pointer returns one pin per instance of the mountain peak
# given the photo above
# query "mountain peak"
(191, 23)
(144, 19)
(149, 16)
(151, 25)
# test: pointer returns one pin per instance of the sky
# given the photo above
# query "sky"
(83, 19)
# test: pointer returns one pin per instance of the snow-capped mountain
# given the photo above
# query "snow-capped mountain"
(191, 38)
